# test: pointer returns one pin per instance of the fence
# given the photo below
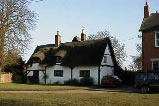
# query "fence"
(128, 77)
(5, 77)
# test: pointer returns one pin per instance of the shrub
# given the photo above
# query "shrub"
(57, 83)
(71, 82)
(32, 80)
(86, 81)
(17, 79)
(17, 71)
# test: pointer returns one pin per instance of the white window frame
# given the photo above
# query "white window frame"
(156, 39)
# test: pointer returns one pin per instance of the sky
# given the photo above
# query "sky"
(122, 18)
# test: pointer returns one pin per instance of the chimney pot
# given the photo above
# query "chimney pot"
(83, 36)
(58, 32)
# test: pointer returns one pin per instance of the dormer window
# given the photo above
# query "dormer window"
(157, 39)
(35, 60)
(58, 60)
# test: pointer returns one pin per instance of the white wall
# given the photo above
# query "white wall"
(105, 70)
(51, 79)
(67, 74)
(35, 66)
(109, 58)
(93, 72)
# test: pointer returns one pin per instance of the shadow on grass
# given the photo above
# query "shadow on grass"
(124, 89)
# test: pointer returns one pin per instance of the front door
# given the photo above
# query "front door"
(36, 76)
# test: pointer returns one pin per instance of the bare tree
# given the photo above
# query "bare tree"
(118, 47)
(137, 60)
(16, 20)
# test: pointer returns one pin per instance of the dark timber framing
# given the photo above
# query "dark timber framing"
(44, 71)
(71, 73)
(99, 75)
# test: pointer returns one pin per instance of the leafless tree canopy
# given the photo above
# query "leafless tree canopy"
(118, 47)
(16, 20)
(137, 60)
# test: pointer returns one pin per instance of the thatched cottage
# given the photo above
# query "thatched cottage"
(80, 58)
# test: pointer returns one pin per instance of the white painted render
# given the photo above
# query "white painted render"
(109, 58)
(35, 66)
(54, 79)
(93, 72)
(51, 79)
(105, 70)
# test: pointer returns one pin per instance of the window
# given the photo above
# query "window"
(155, 65)
(157, 76)
(157, 39)
(58, 60)
(58, 73)
(105, 59)
(85, 73)
(35, 60)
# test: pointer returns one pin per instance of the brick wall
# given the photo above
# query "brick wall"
(149, 49)
(5, 77)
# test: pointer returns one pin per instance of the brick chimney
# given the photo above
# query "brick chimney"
(57, 39)
(146, 10)
(83, 36)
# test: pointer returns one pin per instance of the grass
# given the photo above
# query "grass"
(68, 99)
(27, 87)
(71, 99)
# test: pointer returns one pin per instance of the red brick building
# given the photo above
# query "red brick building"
(150, 39)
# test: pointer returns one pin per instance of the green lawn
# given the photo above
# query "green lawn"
(27, 87)
(79, 99)
(71, 99)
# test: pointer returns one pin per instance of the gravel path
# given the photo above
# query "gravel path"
(130, 90)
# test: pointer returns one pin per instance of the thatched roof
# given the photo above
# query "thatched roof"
(84, 53)
(151, 22)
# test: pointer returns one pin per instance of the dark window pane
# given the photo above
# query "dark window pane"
(85, 73)
(155, 65)
(58, 73)
(58, 59)
(157, 42)
(105, 59)
(157, 35)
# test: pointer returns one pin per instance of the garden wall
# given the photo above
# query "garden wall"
(5, 77)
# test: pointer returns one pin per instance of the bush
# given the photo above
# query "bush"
(128, 77)
(17, 79)
(17, 71)
(32, 80)
(86, 81)
(57, 83)
(71, 82)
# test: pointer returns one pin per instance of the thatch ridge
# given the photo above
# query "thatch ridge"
(83, 53)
